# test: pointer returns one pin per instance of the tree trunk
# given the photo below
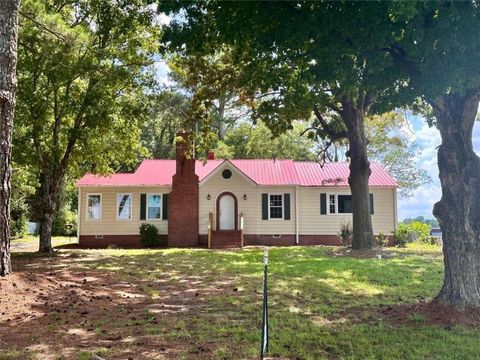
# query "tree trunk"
(353, 117)
(8, 63)
(458, 211)
(46, 233)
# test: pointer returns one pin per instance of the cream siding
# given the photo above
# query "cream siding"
(109, 225)
(311, 222)
(251, 208)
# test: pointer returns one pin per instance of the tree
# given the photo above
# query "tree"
(168, 113)
(246, 141)
(439, 48)
(325, 57)
(8, 62)
(83, 74)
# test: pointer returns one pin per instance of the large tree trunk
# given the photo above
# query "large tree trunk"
(8, 64)
(46, 233)
(458, 211)
(353, 117)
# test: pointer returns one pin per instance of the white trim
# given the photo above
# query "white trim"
(283, 206)
(87, 218)
(328, 203)
(131, 207)
(233, 167)
(297, 224)
(146, 207)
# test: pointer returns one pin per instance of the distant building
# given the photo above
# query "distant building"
(437, 234)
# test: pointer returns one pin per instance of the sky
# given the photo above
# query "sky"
(423, 199)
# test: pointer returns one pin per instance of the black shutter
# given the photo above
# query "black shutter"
(165, 207)
(323, 204)
(371, 204)
(286, 199)
(264, 206)
(143, 206)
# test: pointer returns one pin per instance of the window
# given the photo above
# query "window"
(332, 204)
(94, 207)
(345, 204)
(124, 206)
(226, 174)
(153, 206)
(276, 206)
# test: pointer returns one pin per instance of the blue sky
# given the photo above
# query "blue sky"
(421, 203)
(425, 196)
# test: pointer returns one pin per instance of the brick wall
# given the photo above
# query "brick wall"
(123, 241)
(183, 199)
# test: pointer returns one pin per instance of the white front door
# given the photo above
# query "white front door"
(227, 212)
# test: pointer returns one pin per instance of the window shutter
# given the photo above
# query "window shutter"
(264, 206)
(165, 207)
(323, 204)
(286, 206)
(143, 206)
(371, 204)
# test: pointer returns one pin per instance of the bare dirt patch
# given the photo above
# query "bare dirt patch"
(432, 313)
(52, 310)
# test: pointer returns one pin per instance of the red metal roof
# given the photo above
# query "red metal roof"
(336, 174)
(262, 172)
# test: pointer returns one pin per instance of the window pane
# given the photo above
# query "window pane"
(153, 200)
(276, 206)
(153, 213)
(94, 207)
(345, 204)
(276, 213)
(153, 206)
(124, 206)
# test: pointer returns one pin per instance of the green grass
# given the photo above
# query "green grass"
(321, 306)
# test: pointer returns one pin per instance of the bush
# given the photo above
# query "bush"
(63, 217)
(414, 231)
(345, 234)
(19, 226)
(149, 235)
(382, 239)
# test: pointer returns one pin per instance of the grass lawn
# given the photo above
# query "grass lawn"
(200, 304)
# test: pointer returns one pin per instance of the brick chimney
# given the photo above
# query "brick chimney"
(183, 199)
(211, 155)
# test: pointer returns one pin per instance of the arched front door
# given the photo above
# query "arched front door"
(226, 211)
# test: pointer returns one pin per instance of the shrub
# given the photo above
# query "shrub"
(414, 231)
(149, 235)
(62, 218)
(345, 234)
(382, 239)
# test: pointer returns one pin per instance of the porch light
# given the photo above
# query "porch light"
(208, 197)
(244, 196)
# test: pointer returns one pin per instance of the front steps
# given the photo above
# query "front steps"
(226, 239)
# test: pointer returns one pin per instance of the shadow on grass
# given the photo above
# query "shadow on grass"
(205, 304)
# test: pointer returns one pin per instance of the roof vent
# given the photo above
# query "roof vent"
(211, 155)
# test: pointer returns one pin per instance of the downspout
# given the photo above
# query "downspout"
(78, 213)
(394, 210)
(296, 217)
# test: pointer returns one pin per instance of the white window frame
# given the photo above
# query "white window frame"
(161, 207)
(283, 206)
(336, 204)
(131, 207)
(87, 207)
(328, 204)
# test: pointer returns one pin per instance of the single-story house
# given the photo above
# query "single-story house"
(225, 203)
